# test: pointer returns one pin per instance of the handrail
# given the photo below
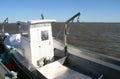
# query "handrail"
(3, 27)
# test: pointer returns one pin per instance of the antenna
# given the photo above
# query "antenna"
(42, 16)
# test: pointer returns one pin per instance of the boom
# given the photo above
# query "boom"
(65, 30)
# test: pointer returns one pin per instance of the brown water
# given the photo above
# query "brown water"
(98, 37)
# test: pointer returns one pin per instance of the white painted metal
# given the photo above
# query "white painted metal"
(41, 49)
(56, 70)
(41, 21)
(36, 40)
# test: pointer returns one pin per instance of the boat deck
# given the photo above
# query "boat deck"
(76, 65)
(58, 71)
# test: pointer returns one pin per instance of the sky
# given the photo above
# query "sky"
(61, 10)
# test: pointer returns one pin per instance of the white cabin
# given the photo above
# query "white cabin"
(37, 41)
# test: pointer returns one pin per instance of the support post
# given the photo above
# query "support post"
(65, 39)
(65, 31)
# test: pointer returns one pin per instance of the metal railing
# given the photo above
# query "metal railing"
(2, 34)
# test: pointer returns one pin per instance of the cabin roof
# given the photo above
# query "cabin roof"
(37, 21)
(41, 21)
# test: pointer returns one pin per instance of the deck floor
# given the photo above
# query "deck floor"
(58, 71)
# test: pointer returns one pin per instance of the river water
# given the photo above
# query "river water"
(102, 38)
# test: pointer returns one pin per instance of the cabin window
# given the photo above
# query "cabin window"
(44, 35)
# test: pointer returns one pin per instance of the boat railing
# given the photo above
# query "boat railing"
(2, 32)
(3, 25)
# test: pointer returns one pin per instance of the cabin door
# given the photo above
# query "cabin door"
(45, 43)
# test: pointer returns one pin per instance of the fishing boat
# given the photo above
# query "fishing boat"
(39, 55)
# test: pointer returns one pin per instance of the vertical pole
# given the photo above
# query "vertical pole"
(65, 31)
(3, 31)
(65, 39)
(42, 16)
(19, 26)
(3, 26)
